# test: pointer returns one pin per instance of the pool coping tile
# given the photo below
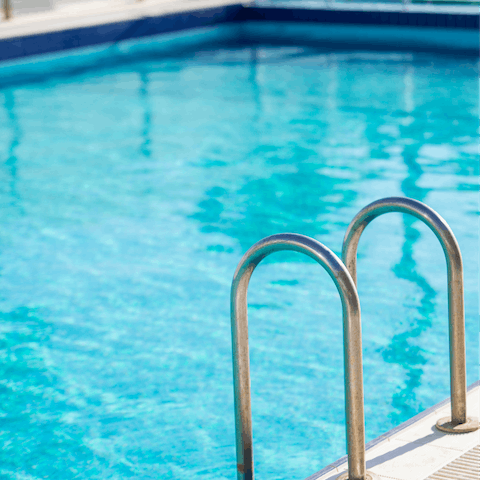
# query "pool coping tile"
(435, 452)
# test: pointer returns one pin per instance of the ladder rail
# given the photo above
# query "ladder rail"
(355, 424)
(7, 9)
(456, 315)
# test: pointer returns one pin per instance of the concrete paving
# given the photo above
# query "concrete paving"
(420, 451)
(99, 12)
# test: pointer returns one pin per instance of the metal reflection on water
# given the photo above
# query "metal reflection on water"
(11, 161)
(401, 349)
(145, 148)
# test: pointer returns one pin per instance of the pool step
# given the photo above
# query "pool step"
(465, 467)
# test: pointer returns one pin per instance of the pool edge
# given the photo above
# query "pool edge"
(100, 29)
(386, 436)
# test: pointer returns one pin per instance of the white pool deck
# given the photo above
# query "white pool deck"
(67, 16)
(420, 452)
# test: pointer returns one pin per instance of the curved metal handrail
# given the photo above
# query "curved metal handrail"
(459, 422)
(7, 9)
(352, 349)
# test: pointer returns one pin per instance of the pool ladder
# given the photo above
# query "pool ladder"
(344, 276)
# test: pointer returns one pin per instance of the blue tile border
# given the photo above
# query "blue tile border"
(114, 32)
(389, 434)
(362, 17)
(63, 63)
(17, 47)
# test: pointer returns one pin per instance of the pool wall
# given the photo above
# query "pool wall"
(444, 31)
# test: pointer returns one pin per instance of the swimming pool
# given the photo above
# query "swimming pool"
(130, 192)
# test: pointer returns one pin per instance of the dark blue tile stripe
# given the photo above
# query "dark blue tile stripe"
(445, 20)
(114, 32)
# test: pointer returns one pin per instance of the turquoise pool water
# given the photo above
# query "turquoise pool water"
(129, 192)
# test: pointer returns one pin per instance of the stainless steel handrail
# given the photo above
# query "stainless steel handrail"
(459, 422)
(7, 9)
(352, 349)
